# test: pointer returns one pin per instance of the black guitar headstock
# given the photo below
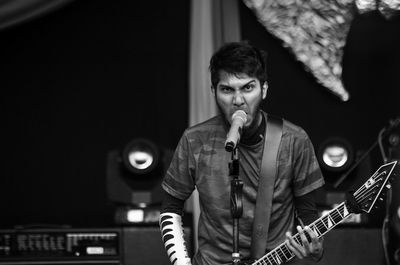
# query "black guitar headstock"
(366, 196)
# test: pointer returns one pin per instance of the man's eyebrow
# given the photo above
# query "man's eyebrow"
(248, 83)
(227, 86)
(222, 85)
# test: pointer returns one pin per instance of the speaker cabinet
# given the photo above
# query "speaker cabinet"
(61, 246)
(351, 246)
(144, 246)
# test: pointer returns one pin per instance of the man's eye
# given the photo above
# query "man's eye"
(248, 87)
(226, 89)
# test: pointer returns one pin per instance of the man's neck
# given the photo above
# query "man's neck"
(252, 134)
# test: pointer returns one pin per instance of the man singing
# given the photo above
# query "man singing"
(239, 83)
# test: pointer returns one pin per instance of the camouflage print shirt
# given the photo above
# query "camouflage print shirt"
(200, 161)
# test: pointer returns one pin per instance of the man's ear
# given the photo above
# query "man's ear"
(213, 90)
(264, 90)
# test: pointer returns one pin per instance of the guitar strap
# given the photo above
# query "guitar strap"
(273, 135)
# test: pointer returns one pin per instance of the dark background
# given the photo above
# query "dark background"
(96, 74)
(76, 84)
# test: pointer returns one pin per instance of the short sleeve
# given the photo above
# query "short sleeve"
(307, 174)
(178, 180)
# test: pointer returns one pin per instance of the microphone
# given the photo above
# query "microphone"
(239, 118)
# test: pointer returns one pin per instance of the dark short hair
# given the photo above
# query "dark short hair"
(238, 58)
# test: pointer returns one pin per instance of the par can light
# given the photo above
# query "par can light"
(335, 154)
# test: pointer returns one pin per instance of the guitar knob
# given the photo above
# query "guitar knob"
(388, 186)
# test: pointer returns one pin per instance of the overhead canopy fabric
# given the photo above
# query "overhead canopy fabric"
(314, 31)
(13, 12)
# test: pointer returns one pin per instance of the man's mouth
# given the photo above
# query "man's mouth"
(247, 113)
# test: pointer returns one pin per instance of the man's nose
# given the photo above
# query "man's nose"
(238, 99)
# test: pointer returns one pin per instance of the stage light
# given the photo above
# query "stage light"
(335, 155)
(134, 173)
(140, 160)
(140, 156)
(135, 215)
(127, 215)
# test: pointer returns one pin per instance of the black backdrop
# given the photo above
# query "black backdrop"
(94, 75)
(76, 84)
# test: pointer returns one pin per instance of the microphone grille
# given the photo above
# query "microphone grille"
(240, 114)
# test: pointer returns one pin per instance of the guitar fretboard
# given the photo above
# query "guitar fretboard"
(321, 226)
(364, 199)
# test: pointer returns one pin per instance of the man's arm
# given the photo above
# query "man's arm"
(306, 213)
(306, 209)
(172, 230)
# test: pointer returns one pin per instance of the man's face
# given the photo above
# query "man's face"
(239, 93)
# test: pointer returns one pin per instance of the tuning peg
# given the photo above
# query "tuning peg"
(381, 199)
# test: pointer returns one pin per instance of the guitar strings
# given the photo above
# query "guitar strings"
(319, 225)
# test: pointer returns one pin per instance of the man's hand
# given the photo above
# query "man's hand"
(312, 249)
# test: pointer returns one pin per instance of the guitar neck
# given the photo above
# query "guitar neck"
(362, 200)
(321, 226)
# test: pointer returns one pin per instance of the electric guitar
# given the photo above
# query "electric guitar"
(363, 200)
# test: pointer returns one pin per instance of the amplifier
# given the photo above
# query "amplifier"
(129, 245)
(60, 246)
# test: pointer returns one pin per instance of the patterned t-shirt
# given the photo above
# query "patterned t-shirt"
(200, 161)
